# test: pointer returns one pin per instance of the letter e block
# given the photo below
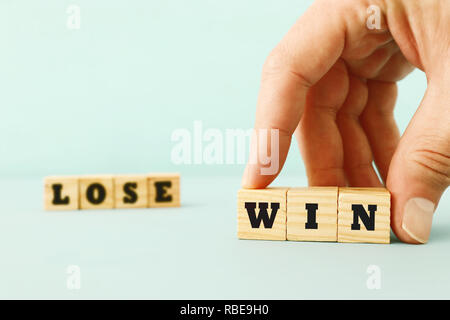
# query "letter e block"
(364, 215)
(96, 192)
(61, 193)
(312, 214)
(262, 214)
(163, 190)
(131, 191)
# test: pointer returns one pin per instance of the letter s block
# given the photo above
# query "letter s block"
(262, 214)
(163, 190)
(364, 215)
(130, 191)
(61, 193)
(96, 192)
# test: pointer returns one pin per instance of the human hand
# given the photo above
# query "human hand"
(331, 81)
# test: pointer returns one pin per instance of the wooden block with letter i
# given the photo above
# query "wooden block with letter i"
(130, 191)
(61, 193)
(163, 190)
(364, 215)
(262, 214)
(96, 192)
(312, 214)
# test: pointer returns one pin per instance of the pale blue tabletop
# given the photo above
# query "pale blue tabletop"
(192, 252)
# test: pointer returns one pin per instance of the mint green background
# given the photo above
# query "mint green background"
(107, 97)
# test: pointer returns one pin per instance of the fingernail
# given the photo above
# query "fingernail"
(417, 218)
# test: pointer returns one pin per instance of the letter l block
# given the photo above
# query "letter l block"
(61, 193)
(262, 213)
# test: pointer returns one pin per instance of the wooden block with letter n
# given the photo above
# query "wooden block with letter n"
(364, 215)
(131, 191)
(97, 192)
(163, 190)
(262, 214)
(61, 193)
(312, 214)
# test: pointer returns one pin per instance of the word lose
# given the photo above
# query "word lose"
(108, 191)
(315, 214)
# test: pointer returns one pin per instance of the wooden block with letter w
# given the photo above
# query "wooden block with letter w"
(262, 214)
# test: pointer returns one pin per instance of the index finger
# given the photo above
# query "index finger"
(305, 54)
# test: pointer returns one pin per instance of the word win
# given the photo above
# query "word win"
(315, 214)
(112, 191)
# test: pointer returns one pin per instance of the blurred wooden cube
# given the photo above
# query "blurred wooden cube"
(131, 191)
(163, 190)
(61, 193)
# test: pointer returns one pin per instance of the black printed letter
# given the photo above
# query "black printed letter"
(101, 193)
(368, 221)
(161, 191)
(57, 188)
(262, 215)
(129, 189)
(311, 223)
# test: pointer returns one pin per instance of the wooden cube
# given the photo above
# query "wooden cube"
(364, 215)
(130, 191)
(262, 214)
(96, 192)
(312, 214)
(163, 190)
(61, 193)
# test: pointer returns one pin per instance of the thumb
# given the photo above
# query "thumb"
(420, 168)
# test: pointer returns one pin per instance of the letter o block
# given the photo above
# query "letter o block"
(61, 193)
(364, 215)
(96, 192)
(163, 190)
(262, 214)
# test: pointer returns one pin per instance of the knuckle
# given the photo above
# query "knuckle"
(275, 62)
(279, 64)
(431, 157)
